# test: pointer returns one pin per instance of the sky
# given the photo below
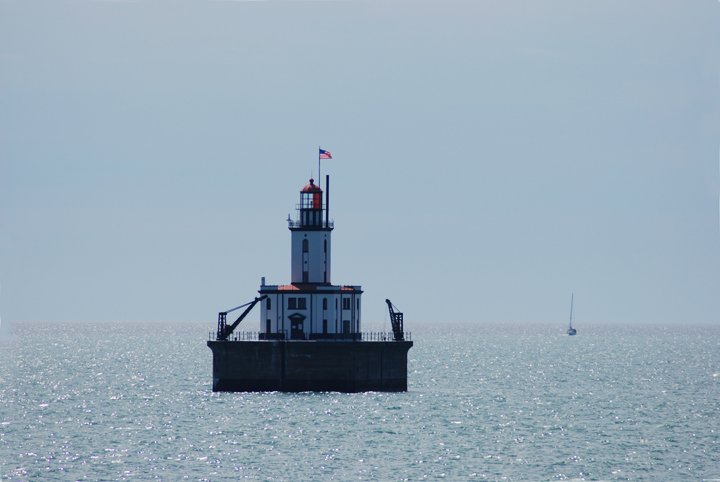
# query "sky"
(490, 158)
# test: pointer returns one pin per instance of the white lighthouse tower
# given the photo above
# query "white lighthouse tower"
(311, 307)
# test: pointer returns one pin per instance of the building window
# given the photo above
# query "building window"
(268, 305)
(302, 304)
(357, 304)
(267, 326)
(324, 303)
(305, 246)
(324, 326)
(292, 303)
(325, 247)
(336, 304)
(346, 303)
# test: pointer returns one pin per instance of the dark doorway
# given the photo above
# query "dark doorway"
(296, 326)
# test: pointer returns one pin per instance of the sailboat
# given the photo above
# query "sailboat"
(571, 331)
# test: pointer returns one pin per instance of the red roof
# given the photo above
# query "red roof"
(289, 288)
(310, 287)
(311, 187)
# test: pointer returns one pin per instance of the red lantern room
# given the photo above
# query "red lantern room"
(311, 206)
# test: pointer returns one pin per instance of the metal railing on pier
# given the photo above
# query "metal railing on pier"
(364, 336)
(238, 336)
(383, 336)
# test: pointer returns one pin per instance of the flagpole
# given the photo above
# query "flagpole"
(319, 176)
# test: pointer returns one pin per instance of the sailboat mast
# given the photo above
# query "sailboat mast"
(572, 295)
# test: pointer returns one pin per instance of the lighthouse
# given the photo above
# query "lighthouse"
(310, 336)
(311, 307)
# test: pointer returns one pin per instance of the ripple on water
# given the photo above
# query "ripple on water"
(135, 402)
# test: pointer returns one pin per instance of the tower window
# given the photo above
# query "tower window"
(324, 303)
(346, 303)
(302, 304)
(325, 247)
(305, 246)
(268, 305)
(292, 303)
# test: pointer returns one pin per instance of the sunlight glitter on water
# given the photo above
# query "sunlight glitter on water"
(134, 403)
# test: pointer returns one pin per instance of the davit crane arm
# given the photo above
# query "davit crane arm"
(396, 318)
(225, 331)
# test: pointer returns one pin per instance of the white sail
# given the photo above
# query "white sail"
(571, 330)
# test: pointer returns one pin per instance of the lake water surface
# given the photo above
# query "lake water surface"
(135, 402)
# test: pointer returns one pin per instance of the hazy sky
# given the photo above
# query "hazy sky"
(490, 157)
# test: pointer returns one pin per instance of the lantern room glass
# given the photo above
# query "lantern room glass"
(311, 200)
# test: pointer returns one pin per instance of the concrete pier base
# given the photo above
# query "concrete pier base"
(300, 366)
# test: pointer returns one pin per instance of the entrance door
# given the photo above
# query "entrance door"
(296, 326)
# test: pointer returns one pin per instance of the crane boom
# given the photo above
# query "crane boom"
(225, 331)
(396, 318)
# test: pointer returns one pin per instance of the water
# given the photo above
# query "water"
(134, 402)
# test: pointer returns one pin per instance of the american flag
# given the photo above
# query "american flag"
(325, 154)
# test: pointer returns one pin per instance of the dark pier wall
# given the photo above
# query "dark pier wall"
(299, 366)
